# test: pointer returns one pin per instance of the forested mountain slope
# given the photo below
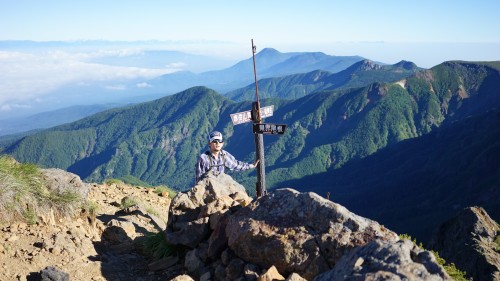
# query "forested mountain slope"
(159, 142)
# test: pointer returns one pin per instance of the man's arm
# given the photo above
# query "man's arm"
(233, 164)
(201, 167)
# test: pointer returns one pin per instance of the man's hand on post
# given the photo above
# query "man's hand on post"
(255, 163)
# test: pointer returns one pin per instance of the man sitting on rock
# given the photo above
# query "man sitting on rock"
(216, 159)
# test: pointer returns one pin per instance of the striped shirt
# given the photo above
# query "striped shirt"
(207, 162)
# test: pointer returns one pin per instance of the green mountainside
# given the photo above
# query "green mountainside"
(295, 86)
(152, 141)
(158, 142)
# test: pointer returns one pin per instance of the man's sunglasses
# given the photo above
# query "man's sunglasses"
(217, 141)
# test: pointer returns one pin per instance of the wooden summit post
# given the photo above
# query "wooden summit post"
(260, 186)
(259, 129)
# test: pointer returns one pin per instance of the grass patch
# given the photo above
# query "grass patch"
(162, 189)
(152, 211)
(129, 202)
(497, 243)
(113, 181)
(450, 268)
(157, 247)
(24, 194)
(133, 201)
(131, 180)
(90, 208)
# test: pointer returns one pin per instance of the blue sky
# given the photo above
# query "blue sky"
(334, 27)
(425, 32)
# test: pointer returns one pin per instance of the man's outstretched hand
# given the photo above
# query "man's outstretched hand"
(255, 163)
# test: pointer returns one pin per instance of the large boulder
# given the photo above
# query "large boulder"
(467, 240)
(194, 214)
(379, 260)
(299, 232)
(61, 181)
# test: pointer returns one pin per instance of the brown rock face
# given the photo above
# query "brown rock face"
(468, 241)
(106, 246)
(299, 232)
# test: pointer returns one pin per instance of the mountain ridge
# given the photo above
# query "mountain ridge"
(329, 116)
(270, 63)
(359, 74)
(159, 141)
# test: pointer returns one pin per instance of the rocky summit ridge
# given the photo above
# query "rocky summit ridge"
(218, 233)
(295, 235)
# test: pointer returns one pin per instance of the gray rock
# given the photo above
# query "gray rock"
(220, 272)
(235, 269)
(190, 212)
(251, 272)
(299, 232)
(188, 233)
(118, 232)
(226, 257)
(467, 240)
(192, 261)
(205, 276)
(51, 273)
(61, 181)
(379, 260)
(217, 242)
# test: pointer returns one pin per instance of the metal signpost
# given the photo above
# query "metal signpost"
(259, 129)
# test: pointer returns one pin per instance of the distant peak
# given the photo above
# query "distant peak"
(365, 65)
(406, 65)
(268, 52)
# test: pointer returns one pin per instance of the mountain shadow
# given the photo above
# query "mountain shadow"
(415, 185)
(86, 166)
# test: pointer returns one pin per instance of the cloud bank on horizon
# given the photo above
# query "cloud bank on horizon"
(425, 32)
(29, 78)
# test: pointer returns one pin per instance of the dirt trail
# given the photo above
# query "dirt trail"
(106, 248)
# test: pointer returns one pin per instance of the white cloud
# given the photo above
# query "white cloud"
(116, 87)
(29, 76)
(176, 65)
(143, 85)
(13, 106)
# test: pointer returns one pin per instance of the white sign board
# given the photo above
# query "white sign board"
(246, 116)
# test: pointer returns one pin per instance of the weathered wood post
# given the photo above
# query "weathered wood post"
(260, 186)
(255, 115)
